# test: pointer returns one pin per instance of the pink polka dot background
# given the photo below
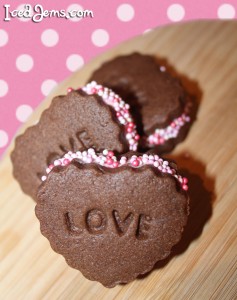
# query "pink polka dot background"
(34, 57)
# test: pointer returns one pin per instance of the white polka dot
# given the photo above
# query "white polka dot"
(74, 62)
(28, 13)
(175, 12)
(125, 12)
(49, 37)
(3, 138)
(3, 88)
(23, 112)
(47, 86)
(3, 37)
(74, 7)
(226, 11)
(100, 37)
(24, 63)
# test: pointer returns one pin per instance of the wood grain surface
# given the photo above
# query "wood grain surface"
(204, 264)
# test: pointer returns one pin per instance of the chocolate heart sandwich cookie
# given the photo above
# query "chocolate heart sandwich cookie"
(112, 218)
(159, 103)
(93, 116)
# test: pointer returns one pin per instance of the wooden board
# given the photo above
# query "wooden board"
(204, 264)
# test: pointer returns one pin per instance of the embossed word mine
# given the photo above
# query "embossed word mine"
(96, 222)
(37, 13)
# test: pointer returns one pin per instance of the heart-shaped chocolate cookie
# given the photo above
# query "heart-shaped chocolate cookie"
(112, 222)
(93, 116)
(159, 103)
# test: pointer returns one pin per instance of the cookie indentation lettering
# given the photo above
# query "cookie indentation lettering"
(143, 227)
(85, 140)
(72, 228)
(79, 142)
(122, 225)
(96, 221)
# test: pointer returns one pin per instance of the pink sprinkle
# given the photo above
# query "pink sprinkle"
(110, 153)
(162, 68)
(115, 100)
(131, 124)
(109, 161)
(185, 180)
(129, 129)
(185, 187)
(118, 114)
(137, 137)
(51, 167)
(115, 164)
(66, 161)
(135, 163)
(69, 90)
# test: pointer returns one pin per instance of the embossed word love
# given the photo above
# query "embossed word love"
(96, 221)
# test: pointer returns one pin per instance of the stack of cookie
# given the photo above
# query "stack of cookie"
(106, 200)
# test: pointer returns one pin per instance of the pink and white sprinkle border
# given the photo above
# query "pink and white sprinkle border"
(161, 135)
(121, 108)
(109, 160)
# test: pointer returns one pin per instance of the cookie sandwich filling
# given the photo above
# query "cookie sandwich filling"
(161, 135)
(121, 108)
(109, 160)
